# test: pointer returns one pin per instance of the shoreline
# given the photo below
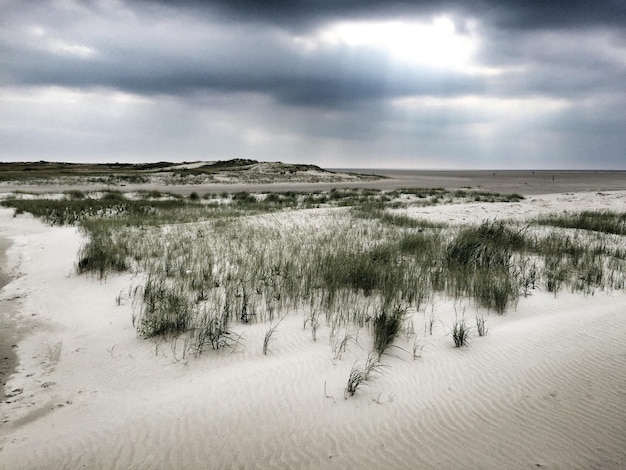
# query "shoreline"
(8, 334)
(524, 182)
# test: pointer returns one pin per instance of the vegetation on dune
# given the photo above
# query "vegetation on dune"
(480, 263)
(596, 221)
(366, 267)
(386, 326)
(105, 250)
(243, 170)
(361, 375)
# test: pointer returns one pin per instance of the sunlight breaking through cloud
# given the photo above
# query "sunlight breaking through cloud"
(483, 104)
(46, 41)
(437, 44)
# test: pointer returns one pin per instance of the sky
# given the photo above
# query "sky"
(488, 84)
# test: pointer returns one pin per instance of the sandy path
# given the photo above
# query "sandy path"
(545, 388)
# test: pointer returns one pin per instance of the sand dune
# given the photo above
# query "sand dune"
(545, 388)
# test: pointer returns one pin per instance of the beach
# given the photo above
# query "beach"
(544, 389)
(525, 182)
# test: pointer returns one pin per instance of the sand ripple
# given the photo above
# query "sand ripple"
(545, 388)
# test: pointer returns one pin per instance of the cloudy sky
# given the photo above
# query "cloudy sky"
(338, 83)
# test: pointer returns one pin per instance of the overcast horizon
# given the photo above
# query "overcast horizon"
(340, 84)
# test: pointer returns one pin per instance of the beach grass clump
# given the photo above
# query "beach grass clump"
(104, 251)
(555, 273)
(460, 333)
(405, 221)
(527, 274)
(361, 375)
(385, 327)
(561, 244)
(494, 289)
(486, 196)
(434, 196)
(602, 221)
(165, 309)
(113, 205)
(365, 270)
(269, 337)
(481, 327)
(590, 274)
(480, 264)
(210, 327)
(488, 245)
(339, 342)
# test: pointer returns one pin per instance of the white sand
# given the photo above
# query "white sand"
(545, 388)
(529, 207)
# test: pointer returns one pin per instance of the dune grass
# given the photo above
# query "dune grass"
(207, 264)
(385, 327)
(604, 221)
(361, 375)
(104, 251)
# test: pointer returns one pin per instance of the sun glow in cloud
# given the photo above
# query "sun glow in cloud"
(58, 46)
(437, 44)
(501, 106)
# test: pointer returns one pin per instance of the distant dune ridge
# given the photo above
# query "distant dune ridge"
(241, 171)
(251, 175)
(545, 388)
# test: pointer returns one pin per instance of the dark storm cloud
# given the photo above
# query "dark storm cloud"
(319, 82)
(512, 13)
(142, 58)
(300, 14)
(547, 73)
(150, 51)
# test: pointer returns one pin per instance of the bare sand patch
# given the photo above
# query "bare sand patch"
(531, 206)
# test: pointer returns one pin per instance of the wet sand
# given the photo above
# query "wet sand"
(8, 358)
(4, 275)
(526, 182)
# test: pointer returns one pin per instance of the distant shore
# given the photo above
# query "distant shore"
(525, 182)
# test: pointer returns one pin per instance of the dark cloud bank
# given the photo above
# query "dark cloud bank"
(152, 80)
